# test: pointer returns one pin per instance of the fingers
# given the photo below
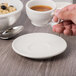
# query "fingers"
(67, 22)
(55, 19)
(74, 29)
(58, 28)
(67, 32)
(67, 28)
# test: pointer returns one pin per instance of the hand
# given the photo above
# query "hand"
(68, 25)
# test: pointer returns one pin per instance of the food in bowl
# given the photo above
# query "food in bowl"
(5, 8)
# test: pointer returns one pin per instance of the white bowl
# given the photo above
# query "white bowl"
(9, 19)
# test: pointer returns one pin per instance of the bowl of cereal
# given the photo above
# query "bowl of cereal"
(10, 10)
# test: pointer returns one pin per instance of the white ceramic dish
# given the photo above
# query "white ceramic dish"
(39, 45)
(40, 18)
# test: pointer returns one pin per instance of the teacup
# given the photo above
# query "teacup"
(39, 18)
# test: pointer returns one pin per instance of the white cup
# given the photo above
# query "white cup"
(39, 18)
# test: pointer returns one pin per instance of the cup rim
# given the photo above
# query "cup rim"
(40, 11)
(8, 14)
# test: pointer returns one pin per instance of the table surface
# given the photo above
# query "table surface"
(12, 64)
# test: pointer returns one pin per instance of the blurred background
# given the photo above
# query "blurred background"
(70, 1)
(63, 3)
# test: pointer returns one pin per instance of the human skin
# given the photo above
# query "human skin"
(68, 25)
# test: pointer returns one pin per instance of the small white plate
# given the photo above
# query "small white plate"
(39, 45)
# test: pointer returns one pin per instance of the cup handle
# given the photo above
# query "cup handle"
(52, 23)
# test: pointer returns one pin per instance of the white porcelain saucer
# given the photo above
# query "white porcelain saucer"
(39, 45)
